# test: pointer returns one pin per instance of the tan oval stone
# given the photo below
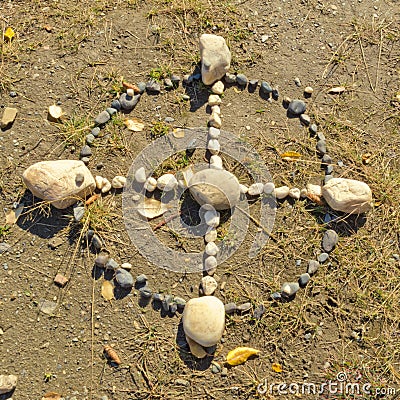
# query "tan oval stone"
(217, 187)
(204, 320)
(62, 182)
(347, 195)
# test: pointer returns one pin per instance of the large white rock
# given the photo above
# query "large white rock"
(167, 182)
(347, 195)
(62, 182)
(215, 58)
(7, 383)
(204, 320)
(217, 187)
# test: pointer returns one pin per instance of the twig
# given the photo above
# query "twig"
(33, 148)
(365, 63)
(379, 61)
(166, 220)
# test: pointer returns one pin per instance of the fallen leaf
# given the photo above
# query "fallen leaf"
(13, 215)
(240, 355)
(336, 90)
(277, 367)
(135, 124)
(236, 90)
(128, 85)
(107, 290)
(290, 156)
(51, 396)
(9, 34)
(178, 133)
(151, 208)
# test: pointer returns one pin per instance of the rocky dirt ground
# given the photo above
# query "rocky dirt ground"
(345, 321)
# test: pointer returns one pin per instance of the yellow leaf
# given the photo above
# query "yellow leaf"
(107, 290)
(277, 367)
(134, 124)
(291, 155)
(240, 355)
(9, 34)
(178, 133)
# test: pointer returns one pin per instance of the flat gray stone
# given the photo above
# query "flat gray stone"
(329, 240)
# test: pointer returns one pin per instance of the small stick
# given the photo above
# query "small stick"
(33, 148)
(162, 223)
(92, 199)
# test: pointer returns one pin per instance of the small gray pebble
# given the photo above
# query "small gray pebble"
(181, 303)
(340, 164)
(395, 256)
(168, 83)
(111, 264)
(230, 78)
(102, 118)
(86, 151)
(296, 107)
(90, 139)
(305, 119)
(275, 94)
(308, 336)
(265, 88)
(158, 297)
(101, 260)
(313, 266)
(79, 212)
(128, 103)
(313, 129)
(175, 80)
(244, 307)
(116, 105)
(141, 279)
(297, 82)
(320, 136)
(326, 159)
(215, 369)
(111, 110)
(329, 240)
(100, 165)
(85, 160)
(224, 371)
(322, 257)
(169, 120)
(298, 263)
(327, 218)
(304, 279)
(142, 87)
(327, 178)
(96, 242)
(259, 311)
(241, 79)
(145, 292)
(153, 87)
(168, 300)
(321, 147)
(230, 308)
(329, 169)
(288, 289)
(173, 308)
(95, 131)
(276, 296)
(124, 278)
(4, 247)
(13, 94)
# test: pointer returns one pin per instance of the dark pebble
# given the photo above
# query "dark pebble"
(304, 279)
(329, 240)
(95, 131)
(329, 169)
(265, 88)
(128, 103)
(86, 151)
(116, 105)
(230, 308)
(124, 278)
(173, 308)
(253, 85)
(275, 94)
(296, 107)
(321, 147)
(145, 292)
(244, 307)
(313, 266)
(111, 264)
(241, 79)
(305, 119)
(153, 87)
(230, 78)
(196, 77)
(168, 300)
(181, 303)
(96, 243)
(313, 129)
(323, 257)
(158, 297)
(326, 160)
(141, 279)
(102, 118)
(327, 218)
(259, 311)
(276, 296)
(111, 110)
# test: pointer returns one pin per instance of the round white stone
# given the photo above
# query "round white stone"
(106, 186)
(150, 184)
(213, 146)
(214, 100)
(218, 87)
(256, 189)
(295, 193)
(209, 285)
(213, 132)
(167, 182)
(269, 188)
(130, 92)
(118, 182)
(211, 249)
(211, 235)
(212, 218)
(282, 192)
(140, 175)
(216, 162)
(210, 263)
(204, 320)
(216, 110)
(215, 120)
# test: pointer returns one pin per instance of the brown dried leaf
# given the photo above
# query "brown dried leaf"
(134, 124)
(112, 354)
(290, 156)
(107, 290)
(240, 355)
(13, 215)
(276, 367)
(151, 208)
(128, 85)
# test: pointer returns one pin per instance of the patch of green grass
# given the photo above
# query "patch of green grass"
(4, 230)
(159, 73)
(159, 129)
(75, 129)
